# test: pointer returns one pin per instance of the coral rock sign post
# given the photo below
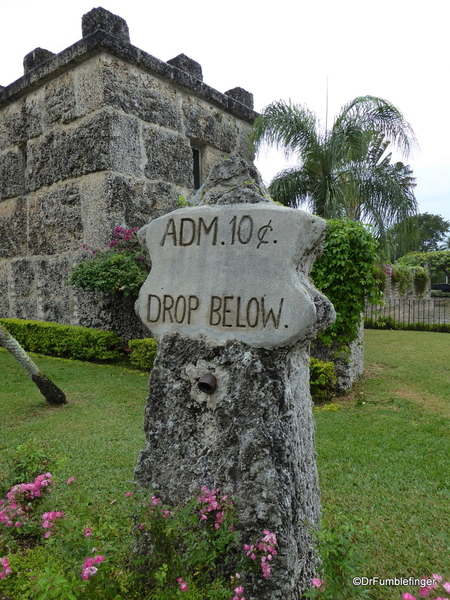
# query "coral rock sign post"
(229, 298)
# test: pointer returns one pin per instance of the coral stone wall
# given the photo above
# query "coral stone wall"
(97, 136)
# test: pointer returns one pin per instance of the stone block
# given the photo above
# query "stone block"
(4, 287)
(21, 121)
(349, 367)
(244, 146)
(253, 439)
(133, 203)
(162, 197)
(23, 289)
(139, 93)
(169, 157)
(125, 150)
(13, 228)
(60, 101)
(54, 220)
(97, 223)
(208, 124)
(111, 312)
(52, 292)
(241, 96)
(184, 63)
(89, 85)
(35, 58)
(232, 272)
(100, 18)
(229, 296)
(210, 156)
(11, 174)
(101, 142)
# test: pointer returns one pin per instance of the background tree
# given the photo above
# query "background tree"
(344, 171)
(445, 244)
(435, 261)
(48, 389)
(428, 235)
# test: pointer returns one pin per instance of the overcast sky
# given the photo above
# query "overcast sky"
(395, 49)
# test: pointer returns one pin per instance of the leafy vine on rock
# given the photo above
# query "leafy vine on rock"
(345, 274)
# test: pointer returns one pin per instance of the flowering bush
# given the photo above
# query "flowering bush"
(195, 548)
(434, 591)
(15, 510)
(84, 552)
(88, 566)
(121, 267)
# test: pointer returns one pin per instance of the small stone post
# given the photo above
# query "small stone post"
(229, 295)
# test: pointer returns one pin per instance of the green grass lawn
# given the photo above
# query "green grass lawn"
(383, 456)
(99, 431)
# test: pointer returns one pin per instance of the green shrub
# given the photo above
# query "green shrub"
(143, 353)
(30, 459)
(345, 274)
(389, 323)
(67, 341)
(439, 294)
(402, 276)
(120, 268)
(421, 280)
(322, 380)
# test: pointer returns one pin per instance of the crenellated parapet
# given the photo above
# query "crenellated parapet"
(99, 135)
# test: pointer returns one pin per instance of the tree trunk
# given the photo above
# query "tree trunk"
(48, 389)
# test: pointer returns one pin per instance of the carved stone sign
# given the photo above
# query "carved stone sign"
(231, 272)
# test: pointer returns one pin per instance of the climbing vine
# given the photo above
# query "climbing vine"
(346, 273)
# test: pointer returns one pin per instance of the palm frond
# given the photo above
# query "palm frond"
(287, 126)
(376, 114)
(291, 187)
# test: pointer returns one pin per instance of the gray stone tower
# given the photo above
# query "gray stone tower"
(101, 134)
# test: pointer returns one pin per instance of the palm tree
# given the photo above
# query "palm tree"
(48, 389)
(345, 171)
(445, 245)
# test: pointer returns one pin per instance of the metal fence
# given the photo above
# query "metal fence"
(408, 312)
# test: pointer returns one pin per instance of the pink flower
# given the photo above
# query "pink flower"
(70, 480)
(88, 567)
(128, 494)
(48, 519)
(88, 572)
(407, 596)
(6, 570)
(424, 591)
(239, 590)
(87, 532)
(446, 586)
(265, 567)
(184, 586)
(316, 582)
